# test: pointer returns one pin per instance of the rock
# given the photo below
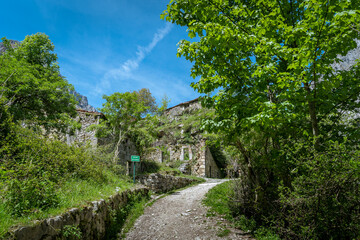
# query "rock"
(349, 60)
(13, 43)
(159, 183)
(82, 102)
(185, 168)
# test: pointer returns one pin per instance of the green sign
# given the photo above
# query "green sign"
(135, 158)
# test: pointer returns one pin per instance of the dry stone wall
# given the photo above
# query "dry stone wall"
(159, 183)
(93, 221)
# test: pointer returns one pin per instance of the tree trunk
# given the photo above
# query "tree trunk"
(116, 153)
(251, 173)
(312, 112)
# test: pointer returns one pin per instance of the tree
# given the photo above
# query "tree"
(269, 67)
(31, 85)
(164, 104)
(122, 112)
(270, 64)
(272, 59)
(144, 96)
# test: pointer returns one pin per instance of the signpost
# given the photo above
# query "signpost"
(134, 159)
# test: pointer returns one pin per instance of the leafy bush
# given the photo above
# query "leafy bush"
(321, 199)
(220, 201)
(324, 199)
(32, 167)
(71, 232)
(26, 196)
(148, 166)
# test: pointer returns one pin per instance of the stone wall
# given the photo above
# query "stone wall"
(93, 220)
(198, 158)
(184, 143)
(159, 183)
(126, 149)
(175, 112)
(84, 135)
(211, 168)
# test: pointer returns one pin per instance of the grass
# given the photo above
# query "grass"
(217, 199)
(223, 232)
(135, 212)
(75, 193)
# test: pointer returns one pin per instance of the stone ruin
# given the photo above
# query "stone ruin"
(84, 135)
(196, 157)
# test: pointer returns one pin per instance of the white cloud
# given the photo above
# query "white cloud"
(133, 64)
(125, 71)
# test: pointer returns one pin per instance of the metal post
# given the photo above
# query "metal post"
(134, 170)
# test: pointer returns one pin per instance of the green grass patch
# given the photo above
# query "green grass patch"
(223, 232)
(75, 193)
(124, 218)
(218, 199)
(136, 211)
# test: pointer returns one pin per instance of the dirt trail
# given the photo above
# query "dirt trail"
(182, 216)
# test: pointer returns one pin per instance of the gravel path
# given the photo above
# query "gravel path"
(182, 216)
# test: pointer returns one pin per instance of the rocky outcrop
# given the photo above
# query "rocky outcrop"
(346, 62)
(82, 102)
(92, 221)
(159, 183)
(13, 43)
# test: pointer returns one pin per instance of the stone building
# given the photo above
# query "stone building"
(193, 154)
(85, 135)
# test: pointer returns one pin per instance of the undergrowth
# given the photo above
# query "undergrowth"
(42, 177)
(218, 201)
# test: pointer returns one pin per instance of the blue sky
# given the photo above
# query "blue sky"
(107, 46)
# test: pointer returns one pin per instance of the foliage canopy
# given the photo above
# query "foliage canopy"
(31, 86)
(271, 59)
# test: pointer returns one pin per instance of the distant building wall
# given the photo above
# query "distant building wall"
(84, 135)
(174, 112)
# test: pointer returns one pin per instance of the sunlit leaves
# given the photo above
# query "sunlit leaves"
(31, 84)
(293, 43)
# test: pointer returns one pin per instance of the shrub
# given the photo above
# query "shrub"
(30, 195)
(71, 232)
(318, 196)
(149, 166)
(324, 199)
(32, 168)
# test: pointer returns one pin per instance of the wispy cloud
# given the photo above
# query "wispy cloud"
(127, 68)
(133, 64)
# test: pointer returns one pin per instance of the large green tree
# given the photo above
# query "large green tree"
(267, 69)
(269, 64)
(31, 86)
(271, 59)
